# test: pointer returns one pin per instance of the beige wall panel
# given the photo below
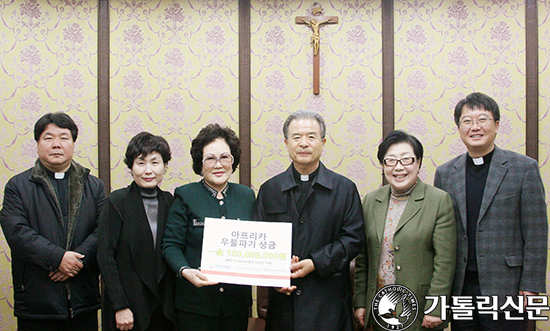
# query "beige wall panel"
(48, 55)
(445, 50)
(351, 85)
(544, 114)
(174, 69)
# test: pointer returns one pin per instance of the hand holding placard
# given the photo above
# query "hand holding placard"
(247, 253)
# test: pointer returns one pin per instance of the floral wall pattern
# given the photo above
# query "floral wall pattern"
(48, 59)
(544, 113)
(350, 99)
(445, 50)
(174, 68)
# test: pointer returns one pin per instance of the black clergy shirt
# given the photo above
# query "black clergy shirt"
(476, 177)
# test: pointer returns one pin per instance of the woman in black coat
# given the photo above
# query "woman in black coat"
(139, 286)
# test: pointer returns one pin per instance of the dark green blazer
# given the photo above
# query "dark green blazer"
(424, 247)
(182, 246)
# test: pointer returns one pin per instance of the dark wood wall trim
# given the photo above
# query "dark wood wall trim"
(532, 79)
(388, 74)
(103, 118)
(244, 92)
(388, 84)
(531, 89)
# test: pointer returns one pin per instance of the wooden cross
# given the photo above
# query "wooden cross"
(315, 21)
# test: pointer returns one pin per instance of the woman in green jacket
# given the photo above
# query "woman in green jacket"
(411, 241)
(200, 303)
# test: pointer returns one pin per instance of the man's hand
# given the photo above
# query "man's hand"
(285, 290)
(58, 276)
(302, 268)
(197, 278)
(71, 263)
(70, 266)
(431, 322)
(288, 290)
(525, 294)
(124, 319)
(360, 314)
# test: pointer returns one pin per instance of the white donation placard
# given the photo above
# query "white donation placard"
(247, 253)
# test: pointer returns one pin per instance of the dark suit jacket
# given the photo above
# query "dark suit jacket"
(424, 248)
(133, 270)
(330, 231)
(512, 228)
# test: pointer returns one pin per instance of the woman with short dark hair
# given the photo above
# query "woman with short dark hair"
(202, 304)
(411, 241)
(139, 285)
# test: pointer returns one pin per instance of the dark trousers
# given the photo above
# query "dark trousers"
(280, 312)
(160, 322)
(484, 322)
(81, 322)
(191, 321)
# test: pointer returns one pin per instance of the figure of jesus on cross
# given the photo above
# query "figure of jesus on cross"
(315, 21)
(315, 38)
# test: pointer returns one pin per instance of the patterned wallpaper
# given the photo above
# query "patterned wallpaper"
(350, 99)
(174, 68)
(544, 109)
(48, 55)
(446, 50)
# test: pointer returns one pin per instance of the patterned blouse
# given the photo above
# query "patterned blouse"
(386, 263)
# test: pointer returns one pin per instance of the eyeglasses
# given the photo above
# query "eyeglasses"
(389, 162)
(225, 159)
(481, 121)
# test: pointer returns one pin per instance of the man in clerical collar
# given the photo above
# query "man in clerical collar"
(500, 213)
(327, 232)
(49, 218)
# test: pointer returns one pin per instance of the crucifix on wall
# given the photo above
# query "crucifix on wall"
(315, 21)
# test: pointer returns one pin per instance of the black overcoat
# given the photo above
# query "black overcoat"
(330, 231)
(32, 222)
(134, 272)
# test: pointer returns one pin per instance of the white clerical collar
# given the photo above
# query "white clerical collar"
(478, 161)
(59, 175)
(304, 178)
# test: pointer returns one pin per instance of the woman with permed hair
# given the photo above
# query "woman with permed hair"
(139, 285)
(202, 304)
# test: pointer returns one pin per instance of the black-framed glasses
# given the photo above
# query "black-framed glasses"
(225, 159)
(391, 162)
(469, 122)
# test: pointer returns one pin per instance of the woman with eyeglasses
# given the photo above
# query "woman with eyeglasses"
(411, 241)
(202, 304)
